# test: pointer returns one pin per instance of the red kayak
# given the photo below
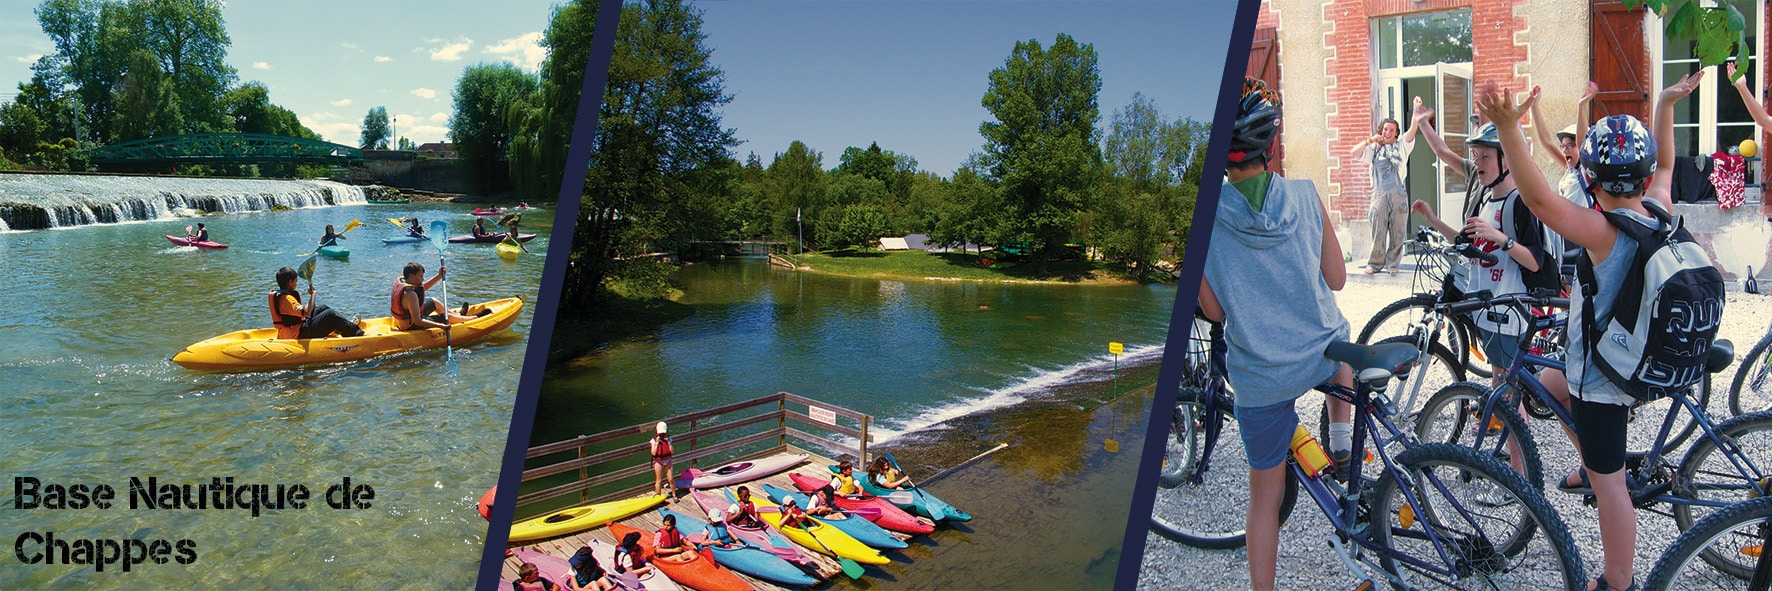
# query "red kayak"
(478, 211)
(889, 516)
(499, 237)
(485, 504)
(699, 571)
(186, 241)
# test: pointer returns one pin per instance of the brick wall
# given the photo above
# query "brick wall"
(1265, 17)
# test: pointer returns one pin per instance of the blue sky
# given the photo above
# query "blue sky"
(832, 74)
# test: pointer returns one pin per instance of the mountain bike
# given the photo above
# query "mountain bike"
(1743, 529)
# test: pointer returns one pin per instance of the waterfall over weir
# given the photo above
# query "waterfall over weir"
(39, 201)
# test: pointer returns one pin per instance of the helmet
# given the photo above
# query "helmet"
(1618, 154)
(1258, 119)
(1567, 132)
(1486, 135)
(788, 502)
(660, 428)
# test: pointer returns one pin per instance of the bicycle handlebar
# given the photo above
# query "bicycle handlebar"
(1483, 301)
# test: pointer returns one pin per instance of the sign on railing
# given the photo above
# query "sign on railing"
(822, 415)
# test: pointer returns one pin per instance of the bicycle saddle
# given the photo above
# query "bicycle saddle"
(1722, 353)
(1393, 358)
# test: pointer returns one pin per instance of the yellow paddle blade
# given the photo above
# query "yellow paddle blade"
(352, 225)
(397, 222)
(1111, 446)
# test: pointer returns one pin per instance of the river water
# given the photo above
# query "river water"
(92, 315)
(948, 370)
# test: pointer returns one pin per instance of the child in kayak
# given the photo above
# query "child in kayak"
(844, 481)
(586, 574)
(627, 556)
(405, 306)
(823, 503)
(314, 321)
(744, 512)
(529, 579)
(331, 238)
(793, 516)
(201, 235)
(479, 230)
(668, 543)
(416, 230)
(717, 534)
(883, 475)
(661, 462)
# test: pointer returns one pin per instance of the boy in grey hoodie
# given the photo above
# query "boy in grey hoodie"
(1271, 272)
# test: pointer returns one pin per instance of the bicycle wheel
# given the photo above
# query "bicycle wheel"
(1752, 388)
(1211, 512)
(1497, 530)
(1739, 530)
(1450, 416)
(1706, 474)
(1400, 316)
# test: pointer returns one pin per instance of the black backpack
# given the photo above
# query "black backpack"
(1550, 264)
(1657, 338)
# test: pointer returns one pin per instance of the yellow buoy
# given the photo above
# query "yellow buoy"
(1749, 149)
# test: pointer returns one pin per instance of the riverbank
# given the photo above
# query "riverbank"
(916, 265)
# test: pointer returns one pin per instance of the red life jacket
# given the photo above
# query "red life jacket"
(663, 449)
(668, 538)
(288, 326)
(397, 302)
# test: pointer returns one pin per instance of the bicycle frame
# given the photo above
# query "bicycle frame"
(1518, 378)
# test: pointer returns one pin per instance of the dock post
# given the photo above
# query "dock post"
(781, 423)
(584, 495)
(692, 441)
(862, 445)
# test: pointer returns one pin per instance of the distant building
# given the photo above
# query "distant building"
(436, 150)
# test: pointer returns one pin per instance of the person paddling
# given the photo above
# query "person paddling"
(331, 238)
(744, 512)
(793, 516)
(294, 321)
(479, 230)
(410, 308)
(883, 475)
(201, 235)
(416, 230)
(824, 503)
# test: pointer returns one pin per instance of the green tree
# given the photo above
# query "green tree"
(858, 225)
(542, 126)
(376, 130)
(480, 126)
(659, 146)
(406, 144)
(191, 41)
(1042, 148)
(796, 179)
(249, 110)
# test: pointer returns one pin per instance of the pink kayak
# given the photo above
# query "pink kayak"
(763, 536)
(884, 513)
(737, 472)
(186, 241)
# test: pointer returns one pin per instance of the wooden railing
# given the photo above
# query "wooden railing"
(771, 420)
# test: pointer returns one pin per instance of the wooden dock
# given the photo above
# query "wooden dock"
(826, 566)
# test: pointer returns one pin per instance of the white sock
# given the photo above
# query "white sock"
(1341, 437)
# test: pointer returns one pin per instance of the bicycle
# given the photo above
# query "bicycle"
(1435, 512)
(1744, 528)
(1716, 471)
(1756, 374)
(1434, 281)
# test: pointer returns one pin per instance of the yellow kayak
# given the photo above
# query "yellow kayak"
(508, 250)
(839, 543)
(260, 348)
(581, 518)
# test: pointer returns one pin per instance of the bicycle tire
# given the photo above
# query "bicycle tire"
(1210, 514)
(1457, 339)
(1757, 365)
(1463, 400)
(1675, 565)
(1697, 480)
(1478, 559)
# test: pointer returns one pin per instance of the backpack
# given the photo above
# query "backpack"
(1521, 221)
(1664, 317)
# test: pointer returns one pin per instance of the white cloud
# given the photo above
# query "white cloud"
(261, 66)
(425, 133)
(524, 51)
(382, 59)
(341, 103)
(320, 116)
(439, 117)
(339, 132)
(450, 51)
(424, 93)
(29, 59)
(347, 45)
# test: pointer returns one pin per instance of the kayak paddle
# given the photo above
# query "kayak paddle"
(850, 567)
(438, 229)
(935, 512)
(352, 225)
(306, 271)
(509, 222)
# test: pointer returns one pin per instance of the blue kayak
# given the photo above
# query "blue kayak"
(404, 240)
(862, 530)
(748, 559)
(334, 251)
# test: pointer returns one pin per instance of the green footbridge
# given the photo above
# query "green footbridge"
(224, 148)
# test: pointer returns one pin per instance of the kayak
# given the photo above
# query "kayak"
(696, 570)
(478, 211)
(559, 570)
(737, 472)
(745, 558)
(761, 536)
(886, 514)
(861, 529)
(820, 538)
(335, 251)
(186, 241)
(404, 240)
(920, 502)
(604, 552)
(499, 237)
(581, 518)
(485, 504)
(508, 250)
(259, 348)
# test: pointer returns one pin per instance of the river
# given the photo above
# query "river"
(94, 312)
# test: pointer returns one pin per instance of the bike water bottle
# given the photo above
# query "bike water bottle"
(1309, 453)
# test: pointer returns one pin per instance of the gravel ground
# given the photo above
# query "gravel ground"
(1307, 562)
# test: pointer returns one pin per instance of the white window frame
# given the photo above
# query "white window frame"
(1713, 82)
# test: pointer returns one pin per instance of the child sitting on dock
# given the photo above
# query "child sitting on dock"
(529, 579)
(586, 574)
(627, 556)
(668, 543)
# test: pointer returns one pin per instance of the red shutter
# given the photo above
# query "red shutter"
(1264, 63)
(1620, 61)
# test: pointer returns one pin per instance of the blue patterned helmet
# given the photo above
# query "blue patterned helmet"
(1486, 135)
(1618, 154)
(1258, 119)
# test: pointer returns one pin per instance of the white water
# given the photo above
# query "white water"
(78, 200)
(1019, 390)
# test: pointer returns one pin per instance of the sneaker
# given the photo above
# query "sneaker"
(1343, 462)
(484, 312)
(464, 308)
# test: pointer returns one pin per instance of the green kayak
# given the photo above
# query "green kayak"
(335, 252)
(912, 499)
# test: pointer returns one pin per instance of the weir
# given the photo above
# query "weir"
(41, 201)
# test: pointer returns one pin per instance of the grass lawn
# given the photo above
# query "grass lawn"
(920, 265)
